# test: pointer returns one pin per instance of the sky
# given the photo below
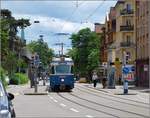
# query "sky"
(58, 17)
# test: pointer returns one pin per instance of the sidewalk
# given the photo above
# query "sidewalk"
(138, 94)
(119, 89)
(25, 89)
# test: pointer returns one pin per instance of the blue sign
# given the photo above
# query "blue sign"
(128, 69)
(125, 70)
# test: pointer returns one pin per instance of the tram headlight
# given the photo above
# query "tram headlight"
(62, 80)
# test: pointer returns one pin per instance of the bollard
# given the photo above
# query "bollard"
(125, 86)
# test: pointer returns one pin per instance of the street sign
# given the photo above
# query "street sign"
(125, 70)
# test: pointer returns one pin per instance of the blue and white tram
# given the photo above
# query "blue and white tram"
(61, 77)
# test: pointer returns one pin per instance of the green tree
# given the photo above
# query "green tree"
(10, 64)
(8, 33)
(85, 51)
(43, 50)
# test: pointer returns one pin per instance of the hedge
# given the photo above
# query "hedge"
(2, 76)
(19, 78)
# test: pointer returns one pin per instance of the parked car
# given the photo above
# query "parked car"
(6, 106)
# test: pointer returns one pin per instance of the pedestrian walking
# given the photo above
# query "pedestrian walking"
(94, 78)
(119, 79)
(104, 79)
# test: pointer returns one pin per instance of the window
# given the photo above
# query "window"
(128, 22)
(147, 35)
(52, 70)
(128, 39)
(128, 7)
(62, 69)
(71, 69)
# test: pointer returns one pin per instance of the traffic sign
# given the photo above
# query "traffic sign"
(125, 70)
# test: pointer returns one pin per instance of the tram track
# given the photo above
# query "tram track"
(106, 106)
(107, 94)
(86, 106)
(99, 105)
(97, 95)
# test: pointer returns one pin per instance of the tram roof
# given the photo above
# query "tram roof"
(59, 59)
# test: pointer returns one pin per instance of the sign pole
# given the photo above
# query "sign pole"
(125, 82)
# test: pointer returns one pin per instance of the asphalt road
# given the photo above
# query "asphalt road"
(83, 101)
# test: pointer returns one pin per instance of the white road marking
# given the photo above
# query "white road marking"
(55, 100)
(89, 116)
(72, 109)
(51, 97)
(63, 105)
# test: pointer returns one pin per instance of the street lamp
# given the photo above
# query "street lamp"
(36, 21)
(41, 36)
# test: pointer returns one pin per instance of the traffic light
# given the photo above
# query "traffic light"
(127, 57)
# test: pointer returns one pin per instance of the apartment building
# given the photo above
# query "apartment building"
(111, 35)
(125, 31)
(143, 42)
(100, 30)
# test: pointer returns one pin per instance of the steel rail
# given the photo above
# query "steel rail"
(97, 95)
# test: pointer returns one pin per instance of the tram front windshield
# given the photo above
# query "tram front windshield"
(60, 69)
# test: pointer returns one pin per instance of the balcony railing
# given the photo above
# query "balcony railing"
(127, 44)
(126, 12)
(127, 28)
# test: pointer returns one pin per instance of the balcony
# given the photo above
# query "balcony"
(126, 12)
(127, 44)
(127, 28)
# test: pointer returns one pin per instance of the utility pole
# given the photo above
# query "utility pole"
(125, 82)
(21, 41)
(77, 3)
(62, 47)
(59, 52)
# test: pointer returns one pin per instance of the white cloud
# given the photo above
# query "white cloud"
(54, 24)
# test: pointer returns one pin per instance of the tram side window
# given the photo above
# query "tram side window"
(71, 69)
(52, 70)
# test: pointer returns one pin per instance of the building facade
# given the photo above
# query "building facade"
(100, 30)
(143, 42)
(111, 35)
(125, 31)
(124, 43)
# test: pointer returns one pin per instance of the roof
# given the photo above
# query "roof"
(96, 23)
(59, 59)
(120, 2)
(26, 52)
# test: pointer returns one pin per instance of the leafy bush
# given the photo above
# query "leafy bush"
(14, 80)
(2, 76)
(19, 78)
(23, 79)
